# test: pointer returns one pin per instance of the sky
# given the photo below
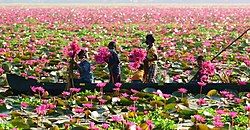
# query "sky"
(125, 1)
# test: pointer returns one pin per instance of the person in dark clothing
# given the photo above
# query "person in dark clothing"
(198, 75)
(84, 67)
(114, 64)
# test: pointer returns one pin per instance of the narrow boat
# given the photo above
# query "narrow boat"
(21, 85)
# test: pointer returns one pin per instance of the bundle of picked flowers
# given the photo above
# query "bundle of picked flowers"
(102, 55)
(71, 50)
(136, 57)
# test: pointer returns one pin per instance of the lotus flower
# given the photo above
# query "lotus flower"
(116, 118)
(101, 85)
(182, 90)
(24, 104)
(2, 115)
(199, 118)
(41, 110)
(74, 90)
(217, 122)
(1, 71)
(65, 93)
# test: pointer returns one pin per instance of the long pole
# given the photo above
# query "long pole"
(223, 50)
(230, 44)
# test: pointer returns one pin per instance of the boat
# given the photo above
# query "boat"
(22, 85)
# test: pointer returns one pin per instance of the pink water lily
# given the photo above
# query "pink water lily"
(2, 115)
(74, 90)
(199, 118)
(117, 118)
(2, 102)
(88, 105)
(150, 124)
(65, 93)
(201, 101)
(182, 90)
(218, 122)
(247, 108)
(39, 90)
(101, 85)
(105, 126)
(1, 71)
(233, 114)
(41, 110)
(78, 110)
(24, 104)
(118, 85)
(220, 112)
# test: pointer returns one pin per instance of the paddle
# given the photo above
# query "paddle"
(222, 51)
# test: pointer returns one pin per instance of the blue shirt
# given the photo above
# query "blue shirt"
(85, 74)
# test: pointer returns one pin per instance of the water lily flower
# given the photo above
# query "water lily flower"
(88, 105)
(91, 97)
(242, 83)
(220, 112)
(105, 126)
(24, 104)
(201, 101)
(217, 122)
(248, 95)
(65, 93)
(75, 90)
(150, 124)
(39, 90)
(2, 102)
(134, 98)
(124, 94)
(116, 118)
(247, 108)
(1, 71)
(41, 110)
(237, 100)
(102, 101)
(199, 118)
(182, 90)
(118, 85)
(132, 108)
(166, 95)
(92, 126)
(2, 115)
(134, 91)
(101, 85)
(50, 106)
(78, 110)
(233, 114)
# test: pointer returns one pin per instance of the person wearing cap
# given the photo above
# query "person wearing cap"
(150, 63)
(114, 64)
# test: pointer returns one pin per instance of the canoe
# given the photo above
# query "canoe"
(21, 85)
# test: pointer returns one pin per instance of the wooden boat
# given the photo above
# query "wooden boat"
(21, 85)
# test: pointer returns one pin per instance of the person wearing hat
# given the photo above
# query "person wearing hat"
(150, 63)
(114, 64)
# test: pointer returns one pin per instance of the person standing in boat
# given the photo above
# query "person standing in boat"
(84, 67)
(198, 75)
(114, 64)
(150, 63)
